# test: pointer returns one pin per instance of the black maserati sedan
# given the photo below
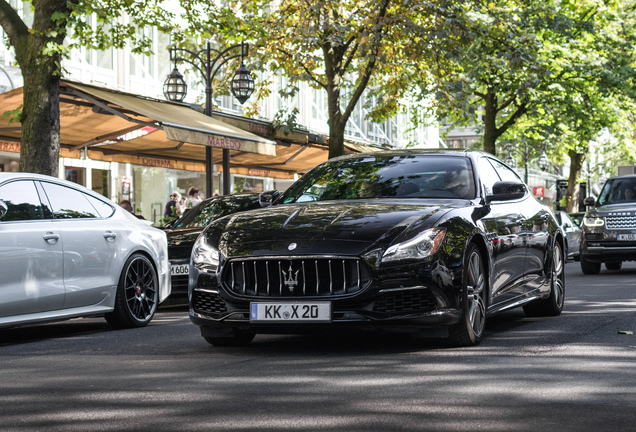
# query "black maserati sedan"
(184, 231)
(429, 242)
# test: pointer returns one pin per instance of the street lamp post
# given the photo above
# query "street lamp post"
(241, 86)
(510, 160)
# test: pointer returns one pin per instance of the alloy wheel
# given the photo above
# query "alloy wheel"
(140, 289)
(475, 287)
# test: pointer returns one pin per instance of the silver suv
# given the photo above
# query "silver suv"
(608, 231)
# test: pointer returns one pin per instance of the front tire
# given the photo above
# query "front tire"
(136, 299)
(588, 267)
(469, 331)
(553, 305)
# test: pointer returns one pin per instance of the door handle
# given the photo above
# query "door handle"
(110, 236)
(51, 238)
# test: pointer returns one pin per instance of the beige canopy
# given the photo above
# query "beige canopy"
(123, 127)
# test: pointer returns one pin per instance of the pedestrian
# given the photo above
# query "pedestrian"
(193, 198)
(127, 205)
(173, 207)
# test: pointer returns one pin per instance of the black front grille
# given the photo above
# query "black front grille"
(406, 301)
(207, 303)
(298, 277)
(180, 284)
(207, 281)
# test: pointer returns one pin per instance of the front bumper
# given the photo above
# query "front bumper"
(604, 246)
(608, 252)
(407, 301)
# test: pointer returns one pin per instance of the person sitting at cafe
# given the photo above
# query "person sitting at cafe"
(127, 205)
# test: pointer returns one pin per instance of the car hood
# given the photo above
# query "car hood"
(180, 242)
(332, 227)
(626, 209)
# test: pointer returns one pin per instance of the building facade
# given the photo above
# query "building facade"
(149, 186)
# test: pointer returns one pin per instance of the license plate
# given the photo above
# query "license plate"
(179, 269)
(626, 237)
(291, 312)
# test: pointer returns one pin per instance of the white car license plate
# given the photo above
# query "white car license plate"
(179, 269)
(626, 237)
(291, 312)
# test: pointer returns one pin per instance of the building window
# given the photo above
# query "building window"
(100, 181)
(75, 174)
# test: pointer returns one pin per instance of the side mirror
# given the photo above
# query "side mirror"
(3, 209)
(266, 199)
(506, 191)
(589, 201)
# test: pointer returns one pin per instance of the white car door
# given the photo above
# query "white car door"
(92, 259)
(31, 253)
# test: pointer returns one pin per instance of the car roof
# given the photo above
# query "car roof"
(4, 176)
(628, 176)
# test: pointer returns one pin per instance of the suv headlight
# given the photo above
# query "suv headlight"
(593, 221)
(204, 256)
(420, 246)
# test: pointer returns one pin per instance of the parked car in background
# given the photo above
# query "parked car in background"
(609, 226)
(577, 217)
(572, 234)
(184, 231)
(397, 241)
(66, 251)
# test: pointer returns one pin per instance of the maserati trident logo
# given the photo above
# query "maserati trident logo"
(290, 279)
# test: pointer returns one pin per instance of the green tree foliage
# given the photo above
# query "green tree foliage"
(39, 49)
(556, 72)
(343, 48)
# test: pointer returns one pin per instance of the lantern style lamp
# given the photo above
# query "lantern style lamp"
(242, 84)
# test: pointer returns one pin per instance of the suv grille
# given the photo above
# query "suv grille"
(620, 222)
(297, 277)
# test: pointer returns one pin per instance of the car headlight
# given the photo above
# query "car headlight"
(420, 246)
(204, 256)
(593, 221)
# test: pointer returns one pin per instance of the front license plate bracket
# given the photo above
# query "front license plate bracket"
(288, 312)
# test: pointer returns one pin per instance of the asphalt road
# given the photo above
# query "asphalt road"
(575, 372)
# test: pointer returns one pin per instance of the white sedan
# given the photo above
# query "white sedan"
(66, 251)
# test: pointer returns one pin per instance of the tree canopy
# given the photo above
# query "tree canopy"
(39, 49)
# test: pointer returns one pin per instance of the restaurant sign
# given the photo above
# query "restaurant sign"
(13, 147)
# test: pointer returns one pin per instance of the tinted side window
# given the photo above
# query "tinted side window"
(68, 203)
(488, 175)
(22, 201)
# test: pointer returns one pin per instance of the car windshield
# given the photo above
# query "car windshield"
(203, 214)
(617, 191)
(386, 176)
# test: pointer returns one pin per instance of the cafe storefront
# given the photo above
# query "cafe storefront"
(126, 146)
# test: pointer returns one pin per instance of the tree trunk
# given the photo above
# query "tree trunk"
(490, 122)
(572, 197)
(336, 121)
(37, 52)
(40, 146)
